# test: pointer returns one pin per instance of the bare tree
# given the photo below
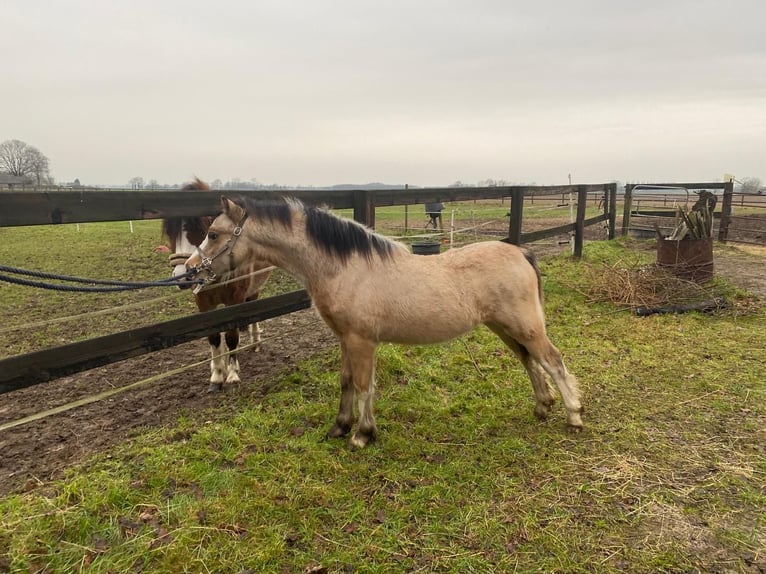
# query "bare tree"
(23, 160)
(136, 183)
(39, 165)
(750, 185)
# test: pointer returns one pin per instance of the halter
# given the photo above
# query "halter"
(206, 263)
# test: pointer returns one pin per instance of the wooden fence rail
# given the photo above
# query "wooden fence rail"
(33, 208)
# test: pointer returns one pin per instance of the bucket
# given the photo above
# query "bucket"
(690, 259)
(426, 248)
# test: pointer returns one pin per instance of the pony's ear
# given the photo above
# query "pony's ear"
(231, 209)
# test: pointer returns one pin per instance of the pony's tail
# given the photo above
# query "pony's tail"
(530, 257)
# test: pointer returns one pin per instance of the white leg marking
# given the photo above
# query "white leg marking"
(217, 364)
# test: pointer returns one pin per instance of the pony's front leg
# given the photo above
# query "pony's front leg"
(217, 363)
(345, 418)
(232, 342)
(361, 356)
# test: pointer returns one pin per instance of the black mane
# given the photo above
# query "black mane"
(195, 227)
(334, 235)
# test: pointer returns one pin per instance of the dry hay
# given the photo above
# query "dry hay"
(643, 286)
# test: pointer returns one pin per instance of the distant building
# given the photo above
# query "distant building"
(7, 182)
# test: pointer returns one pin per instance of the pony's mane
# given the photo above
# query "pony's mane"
(336, 236)
(195, 227)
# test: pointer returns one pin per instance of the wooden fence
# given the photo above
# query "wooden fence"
(42, 208)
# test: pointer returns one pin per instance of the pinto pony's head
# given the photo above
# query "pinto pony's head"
(185, 233)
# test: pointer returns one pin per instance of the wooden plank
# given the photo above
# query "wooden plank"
(45, 208)
(662, 213)
(388, 197)
(48, 364)
(33, 208)
(533, 236)
(704, 185)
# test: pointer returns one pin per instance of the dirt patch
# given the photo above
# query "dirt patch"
(743, 265)
(40, 451)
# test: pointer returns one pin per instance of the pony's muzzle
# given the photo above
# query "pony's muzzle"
(200, 267)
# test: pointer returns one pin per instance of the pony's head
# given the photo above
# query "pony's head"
(215, 255)
(184, 234)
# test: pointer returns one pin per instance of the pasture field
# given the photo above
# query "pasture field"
(669, 474)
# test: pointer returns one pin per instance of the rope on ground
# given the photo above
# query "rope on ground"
(115, 391)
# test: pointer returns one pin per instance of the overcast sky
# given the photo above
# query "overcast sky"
(319, 92)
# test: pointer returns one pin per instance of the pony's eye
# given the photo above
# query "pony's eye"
(212, 235)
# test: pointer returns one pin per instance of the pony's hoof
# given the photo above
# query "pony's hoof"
(361, 439)
(574, 429)
(338, 431)
(215, 387)
(542, 412)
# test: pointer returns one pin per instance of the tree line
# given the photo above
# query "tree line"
(17, 158)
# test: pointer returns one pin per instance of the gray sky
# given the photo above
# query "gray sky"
(318, 92)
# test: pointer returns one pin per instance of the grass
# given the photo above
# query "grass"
(669, 474)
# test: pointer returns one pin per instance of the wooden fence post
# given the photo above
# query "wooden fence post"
(582, 201)
(364, 207)
(728, 196)
(627, 207)
(611, 198)
(517, 207)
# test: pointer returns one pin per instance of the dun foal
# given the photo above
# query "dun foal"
(370, 290)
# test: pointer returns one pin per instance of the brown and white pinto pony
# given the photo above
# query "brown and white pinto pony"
(370, 289)
(232, 286)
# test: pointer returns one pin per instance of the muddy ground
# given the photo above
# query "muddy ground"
(39, 451)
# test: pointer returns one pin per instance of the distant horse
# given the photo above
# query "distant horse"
(232, 286)
(370, 289)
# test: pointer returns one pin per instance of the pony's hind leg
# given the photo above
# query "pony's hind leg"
(217, 363)
(254, 331)
(544, 394)
(549, 357)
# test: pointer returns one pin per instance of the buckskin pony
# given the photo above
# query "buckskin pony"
(370, 289)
